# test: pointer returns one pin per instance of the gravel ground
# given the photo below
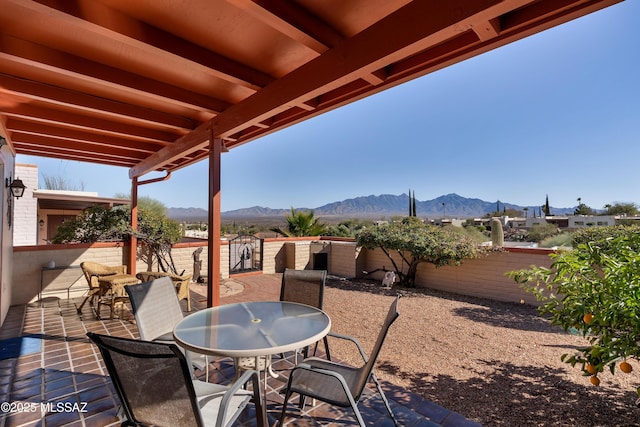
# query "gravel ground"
(495, 363)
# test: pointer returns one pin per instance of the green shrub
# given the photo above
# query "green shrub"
(539, 232)
(562, 240)
(603, 235)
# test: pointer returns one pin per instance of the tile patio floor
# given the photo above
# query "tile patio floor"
(45, 357)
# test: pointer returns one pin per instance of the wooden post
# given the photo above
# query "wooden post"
(213, 255)
(133, 242)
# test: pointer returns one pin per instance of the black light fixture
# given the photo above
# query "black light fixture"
(3, 141)
(16, 187)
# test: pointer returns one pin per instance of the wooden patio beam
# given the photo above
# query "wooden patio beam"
(411, 29)
(104, 21)
(294, 21)
(24, 58)
(24, 127)
(119, 111)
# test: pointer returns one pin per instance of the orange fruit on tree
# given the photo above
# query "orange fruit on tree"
(588, 318)
(625, 367)
(595, 380)
(591, 369)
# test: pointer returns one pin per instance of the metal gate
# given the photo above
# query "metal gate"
(245, 254)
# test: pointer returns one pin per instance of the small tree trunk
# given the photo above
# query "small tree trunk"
(410, 277)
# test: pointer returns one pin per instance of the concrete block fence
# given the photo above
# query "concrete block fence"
(484, 277)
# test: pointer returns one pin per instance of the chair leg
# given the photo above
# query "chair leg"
(356, 412)
(287, 395)
(326, 348)
(384, 399)
(79, 309)
(91, 297)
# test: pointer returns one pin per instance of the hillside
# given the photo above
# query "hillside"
(385, 205)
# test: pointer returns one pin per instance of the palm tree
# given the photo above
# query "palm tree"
(302, 224)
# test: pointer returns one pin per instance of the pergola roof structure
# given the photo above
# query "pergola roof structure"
(141, 84)
(157, 85)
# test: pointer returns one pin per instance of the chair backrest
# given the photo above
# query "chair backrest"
(303, 286)
(153, 381)
(366, 370)
(93, 269)
(155, 306)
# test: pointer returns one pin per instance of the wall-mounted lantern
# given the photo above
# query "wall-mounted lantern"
(16, 187)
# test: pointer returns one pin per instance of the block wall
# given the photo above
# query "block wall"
(27, 268)
(274, 258)
(485, 277)
(343, 259)
(25, 218)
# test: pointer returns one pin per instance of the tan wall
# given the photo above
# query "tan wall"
(298, 255)
(377, 260)
(273, 256)
(7, 160)
(343, 259)
(183, 258)
(29, 260)
(485, 277)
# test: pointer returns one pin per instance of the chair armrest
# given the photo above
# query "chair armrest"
(353, 340)
(250, 375)
(336, 380)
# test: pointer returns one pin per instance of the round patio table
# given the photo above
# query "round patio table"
(252, 329)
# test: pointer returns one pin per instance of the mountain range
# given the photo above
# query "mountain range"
(385, 205)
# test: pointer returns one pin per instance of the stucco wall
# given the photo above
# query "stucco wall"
(7, 160)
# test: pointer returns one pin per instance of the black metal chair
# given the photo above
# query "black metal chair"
(154, 385)
(339, 384)
(305, 287)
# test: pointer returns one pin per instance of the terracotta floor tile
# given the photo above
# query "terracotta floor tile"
(74, 371)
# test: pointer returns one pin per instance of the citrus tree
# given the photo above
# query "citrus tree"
(415, 242)
(593, 290)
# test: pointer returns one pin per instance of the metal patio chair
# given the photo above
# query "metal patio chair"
(336, 383)
(157, 310)
(154, 385)
(305, 287)
(181, 282)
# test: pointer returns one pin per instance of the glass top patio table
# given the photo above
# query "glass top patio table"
(249, 329)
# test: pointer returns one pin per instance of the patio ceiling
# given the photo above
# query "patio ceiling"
(142, 84)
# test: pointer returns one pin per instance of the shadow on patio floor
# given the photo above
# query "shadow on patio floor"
(55, 363)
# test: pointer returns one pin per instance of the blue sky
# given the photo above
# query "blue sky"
(556, 114)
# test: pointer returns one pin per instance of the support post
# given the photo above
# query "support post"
(214, 252)
(133, 242)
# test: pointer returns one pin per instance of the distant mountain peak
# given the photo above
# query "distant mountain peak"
(451, 205)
